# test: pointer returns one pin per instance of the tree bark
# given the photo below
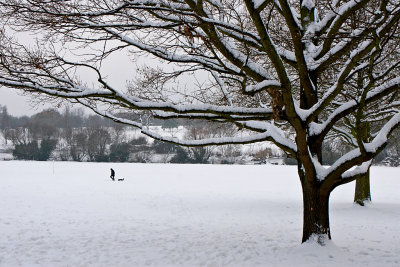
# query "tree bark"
(362, 192)
(315, 213)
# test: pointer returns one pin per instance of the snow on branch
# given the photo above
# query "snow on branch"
(353, 158)
(268, 135)
(309, 4)
(383, 134)
(253, 138)
(349, 106)
(159, 4)
(165, 54)
(245, 61)
(332, 24)
(263, 86)
(259, 3)
(56, 89)
(278, 136)
(358, 170)
(223, 87)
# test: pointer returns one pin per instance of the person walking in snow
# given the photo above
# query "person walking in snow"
(112, 176)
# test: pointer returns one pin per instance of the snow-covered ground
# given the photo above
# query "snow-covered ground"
(72, 214)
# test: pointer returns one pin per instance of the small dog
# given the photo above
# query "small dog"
(121, 179)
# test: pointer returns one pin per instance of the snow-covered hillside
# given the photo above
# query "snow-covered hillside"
(72, 214)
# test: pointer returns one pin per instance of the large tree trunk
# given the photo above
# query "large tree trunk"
(315, 213)
(362, 192)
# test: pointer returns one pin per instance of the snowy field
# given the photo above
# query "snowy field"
(72, 214)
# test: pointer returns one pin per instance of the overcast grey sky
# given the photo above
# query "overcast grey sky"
(18, 105)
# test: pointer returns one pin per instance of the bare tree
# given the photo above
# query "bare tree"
(98, 139)
(45, 124)
(79, 145)
(19, 135)
(274, 67)
(5, 124)
(199, 132)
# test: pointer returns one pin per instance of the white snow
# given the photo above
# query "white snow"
(309, 4)
(264, 84)
(72, 214)
(258, 3)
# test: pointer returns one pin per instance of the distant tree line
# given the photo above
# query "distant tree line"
(75, 136)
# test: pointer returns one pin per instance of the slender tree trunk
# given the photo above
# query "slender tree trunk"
(315, 214)
(362, 192)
